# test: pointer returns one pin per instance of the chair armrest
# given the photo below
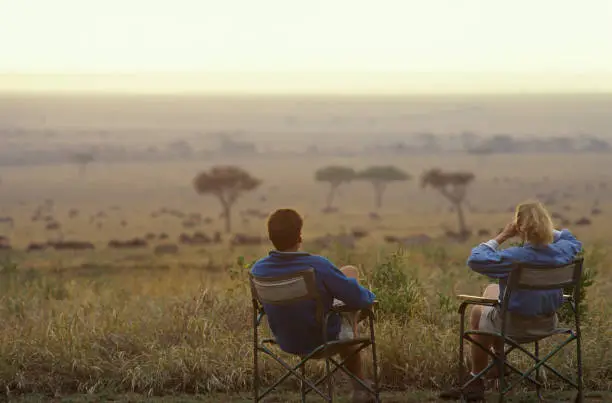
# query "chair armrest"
(364, 313)
(472, 299)
(339, 306)
(568, 298)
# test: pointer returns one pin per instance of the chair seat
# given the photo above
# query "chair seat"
(333, 347)
(524, 339)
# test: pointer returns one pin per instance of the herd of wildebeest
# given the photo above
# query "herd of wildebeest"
(162, 244)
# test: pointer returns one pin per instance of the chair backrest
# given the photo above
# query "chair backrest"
(286, 289)
(537, 277)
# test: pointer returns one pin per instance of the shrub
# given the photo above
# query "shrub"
(397, 293)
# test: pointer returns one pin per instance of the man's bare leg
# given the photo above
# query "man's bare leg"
(480, 358)
(354, 362)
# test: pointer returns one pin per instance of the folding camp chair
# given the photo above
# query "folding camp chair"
(286, 290)
(528, 277)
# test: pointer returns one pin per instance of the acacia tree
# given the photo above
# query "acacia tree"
(82, 160)
(227, 183)
(335, 176)
(380, 177)
(453, 186)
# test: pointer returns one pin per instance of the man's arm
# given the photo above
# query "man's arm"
(344, 288)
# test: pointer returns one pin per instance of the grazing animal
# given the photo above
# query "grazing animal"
(412, 240)
(583, 221)
(359, 233)
(129, 244)
(391, 239)
(36, 247)
(166, 249)
(54, 225)
(197, 238)
(71, 245)
(244, 240)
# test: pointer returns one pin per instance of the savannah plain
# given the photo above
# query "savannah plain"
(132, 324)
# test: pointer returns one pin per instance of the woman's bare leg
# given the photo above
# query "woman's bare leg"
(480, 358)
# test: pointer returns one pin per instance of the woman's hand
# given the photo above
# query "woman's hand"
(509, 231)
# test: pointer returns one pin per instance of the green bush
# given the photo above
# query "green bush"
(586, 280)
(397, 293)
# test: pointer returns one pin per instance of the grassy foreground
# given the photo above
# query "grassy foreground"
(130, 335)
(387, 397)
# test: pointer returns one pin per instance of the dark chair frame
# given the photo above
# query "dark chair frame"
(325, 351)
(519, 280)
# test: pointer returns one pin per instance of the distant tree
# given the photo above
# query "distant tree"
(453, 186)
(380, 177)
(335, 176)
(227, 183)
(82, 160)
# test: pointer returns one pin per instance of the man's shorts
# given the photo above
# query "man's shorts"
(346, 329)
(518, 327)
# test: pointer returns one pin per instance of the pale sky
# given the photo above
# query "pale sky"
(293, 44)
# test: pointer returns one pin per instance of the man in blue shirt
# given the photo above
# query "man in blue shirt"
(295, 326)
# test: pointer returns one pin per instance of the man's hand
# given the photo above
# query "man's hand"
(509, 231)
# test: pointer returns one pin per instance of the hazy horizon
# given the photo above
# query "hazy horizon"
(304, 83)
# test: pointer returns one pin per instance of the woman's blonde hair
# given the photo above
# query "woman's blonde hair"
(534, 224)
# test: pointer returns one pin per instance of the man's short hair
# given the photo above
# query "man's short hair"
(285, 229)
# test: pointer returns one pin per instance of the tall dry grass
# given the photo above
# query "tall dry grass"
(189, 331)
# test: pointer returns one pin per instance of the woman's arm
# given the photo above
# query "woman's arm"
(486, 259)
(567, 243)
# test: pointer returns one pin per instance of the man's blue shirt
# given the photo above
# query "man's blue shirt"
(486, 259)
(295, 326)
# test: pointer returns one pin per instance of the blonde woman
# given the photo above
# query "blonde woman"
(531, 312)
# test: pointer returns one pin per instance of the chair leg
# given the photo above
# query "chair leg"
(330, 387)
(255, 375)
(374, 362)
(255, 380)
(461, 349)
(303, 384)
(501, 370)
(580, 395)
(538, 371)
(255, 355)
